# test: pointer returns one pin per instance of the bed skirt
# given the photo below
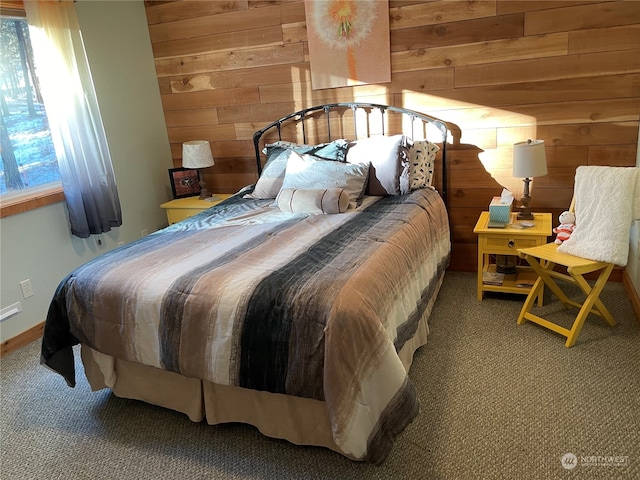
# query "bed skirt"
(301, 421)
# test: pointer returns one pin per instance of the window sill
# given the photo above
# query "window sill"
(31, 201)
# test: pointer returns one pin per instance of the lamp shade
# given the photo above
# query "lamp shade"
(197, 154)
(529, 159)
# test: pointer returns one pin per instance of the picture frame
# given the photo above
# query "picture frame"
(184, 182)
(348, 46)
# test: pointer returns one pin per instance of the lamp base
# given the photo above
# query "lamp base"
(525, 211)
(204, 191)
(205, 194)
(525, 215)
(506, 264)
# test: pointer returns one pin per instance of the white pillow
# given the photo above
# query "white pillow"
(304, 172)
(315, 201)
(389, 173)
(604, 213)
(422, 155)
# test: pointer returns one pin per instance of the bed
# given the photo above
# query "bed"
(297, 304)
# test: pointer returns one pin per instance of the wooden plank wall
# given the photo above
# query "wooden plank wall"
(564, 71)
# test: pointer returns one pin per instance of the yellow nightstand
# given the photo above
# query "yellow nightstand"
(182, 208)
(506, 241)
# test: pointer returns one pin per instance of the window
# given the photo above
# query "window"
(28, 159)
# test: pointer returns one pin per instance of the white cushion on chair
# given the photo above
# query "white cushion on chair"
(605, 199)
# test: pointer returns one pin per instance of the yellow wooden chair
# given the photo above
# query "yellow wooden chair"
(543, 259)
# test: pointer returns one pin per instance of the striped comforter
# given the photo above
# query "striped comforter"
(242, 294)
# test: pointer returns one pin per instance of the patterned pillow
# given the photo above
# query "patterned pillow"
(336, 150)
(422, 155)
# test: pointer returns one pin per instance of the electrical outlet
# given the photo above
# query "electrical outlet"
(27, 289)
(144, 232)
(120, 244)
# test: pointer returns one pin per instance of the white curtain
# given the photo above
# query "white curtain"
(74, 117)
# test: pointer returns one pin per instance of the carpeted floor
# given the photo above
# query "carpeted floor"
(499, 401)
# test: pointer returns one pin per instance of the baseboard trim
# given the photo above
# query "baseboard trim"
(22, 339)
(632, 294)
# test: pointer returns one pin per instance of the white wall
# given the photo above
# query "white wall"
(37, 244)
(633, 265)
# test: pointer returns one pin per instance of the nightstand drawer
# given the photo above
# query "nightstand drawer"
(181, 208)
(506, 244)
(177, 215)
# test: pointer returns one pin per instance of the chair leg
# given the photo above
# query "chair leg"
(530, 301)
(598, 306)
(577, 325)
(544, 269)
(592, 304)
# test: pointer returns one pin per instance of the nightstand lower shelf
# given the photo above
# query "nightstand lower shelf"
(519, 283)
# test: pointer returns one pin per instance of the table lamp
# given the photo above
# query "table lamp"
(197, 154)
(529, 160)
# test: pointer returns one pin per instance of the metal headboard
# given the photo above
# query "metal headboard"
(303, 115)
